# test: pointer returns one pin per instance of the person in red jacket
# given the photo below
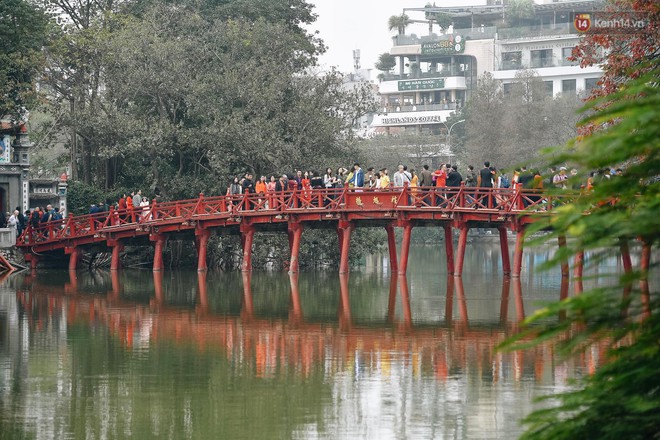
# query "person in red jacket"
(439, 176)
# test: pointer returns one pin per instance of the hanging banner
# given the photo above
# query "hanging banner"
(5, 149)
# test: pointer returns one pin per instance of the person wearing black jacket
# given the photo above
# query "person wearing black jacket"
(248, 188)
(525, 178)
(454, 178)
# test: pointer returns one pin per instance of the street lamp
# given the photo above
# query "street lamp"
(448, 141)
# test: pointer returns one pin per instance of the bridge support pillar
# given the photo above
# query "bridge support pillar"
(202, 292)
(561, 241)
(391, 245)
(158, 286)
(578, 266)
(247, 235)
(518, 253)
(405, 247)
(33, 259)
(295, 312)
(504, 248)
(462, 243)
(625, 256)
(644, 280)
(449, 249)
(158, 251)
(202, 240)
(344, 230)
(295, 235)
(117, 247)
(74, 256)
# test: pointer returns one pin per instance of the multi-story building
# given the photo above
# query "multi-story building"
(18, 188)
(436, 74)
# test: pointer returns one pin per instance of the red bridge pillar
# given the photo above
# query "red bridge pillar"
(625, 256)
(202, 292)
(74, 255)
(344, 230)
(578, 266)
(33, 259)
(158, 251)
(561, 241)
(295, 234)
(202, 240)
(391, 245)
(504, 248)
(449, 249)
(295, 313)
(405, 247)
(247, 236)
(117, 247)
(518, 253)
(462, 243)
(158, 286)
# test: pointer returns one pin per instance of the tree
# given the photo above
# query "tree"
(443, 20)
(621, 129)
(399, 22)
(519, 12)
(23, 33)
(514, 127)
(187, 103)
(386, 62)
(625, 53)
(622, 398)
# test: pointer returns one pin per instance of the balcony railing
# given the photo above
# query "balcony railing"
(536, 31)
(476, 33)
(419, 75)
(487, 32)
(393, 108)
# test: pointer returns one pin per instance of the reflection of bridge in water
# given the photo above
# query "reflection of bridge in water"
(344, 209)
(269, 345)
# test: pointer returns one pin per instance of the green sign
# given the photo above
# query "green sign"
(422, 84)
(452, 46)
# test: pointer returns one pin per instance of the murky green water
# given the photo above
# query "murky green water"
(181, 356)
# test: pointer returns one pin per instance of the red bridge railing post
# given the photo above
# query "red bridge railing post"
(199, 209)
(461, 195)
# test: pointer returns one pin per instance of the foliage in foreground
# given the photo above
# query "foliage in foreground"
(622, 399)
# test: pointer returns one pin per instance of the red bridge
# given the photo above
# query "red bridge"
(342, 209)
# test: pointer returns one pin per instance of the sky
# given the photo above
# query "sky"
(345, 25)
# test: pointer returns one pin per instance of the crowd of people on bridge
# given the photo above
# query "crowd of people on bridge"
(445, 176)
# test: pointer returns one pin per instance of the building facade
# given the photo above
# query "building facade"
(18, 188)
(436, 74)
(14, 166)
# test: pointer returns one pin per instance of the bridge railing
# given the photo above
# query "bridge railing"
(333, 200)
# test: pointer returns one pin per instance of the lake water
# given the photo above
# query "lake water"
(100, 355)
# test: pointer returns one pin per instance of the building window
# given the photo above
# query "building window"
(507, 88)
(565, 53)
(590, 84)
(548, 88)
(511, 60)
(541, 58)
(568, 86)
